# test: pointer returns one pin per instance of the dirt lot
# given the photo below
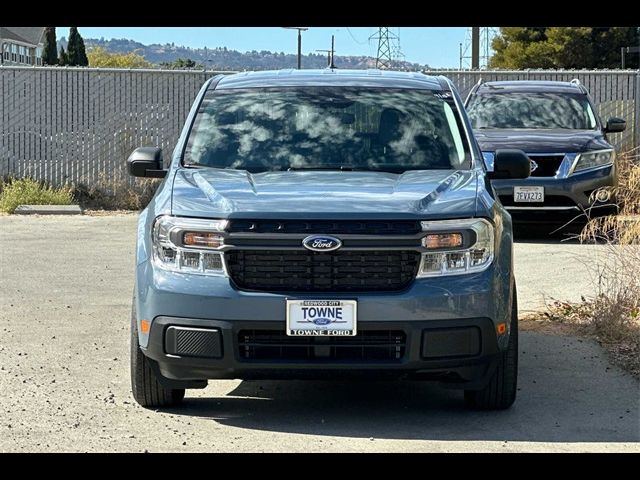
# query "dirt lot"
(65, 289)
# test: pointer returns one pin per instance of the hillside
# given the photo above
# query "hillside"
(221, 58)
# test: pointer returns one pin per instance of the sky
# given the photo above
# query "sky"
(437, 47)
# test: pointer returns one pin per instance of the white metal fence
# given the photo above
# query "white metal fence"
(75, 124)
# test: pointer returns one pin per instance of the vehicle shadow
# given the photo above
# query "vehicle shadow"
(546, 233)
(567, 393)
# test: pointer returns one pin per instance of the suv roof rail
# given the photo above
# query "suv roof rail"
(578, 84)
(473, 90)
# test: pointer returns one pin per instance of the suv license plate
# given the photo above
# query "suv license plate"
(528, 194)
(322, 318)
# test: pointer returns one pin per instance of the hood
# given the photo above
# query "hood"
(210, 192)
(540, 141)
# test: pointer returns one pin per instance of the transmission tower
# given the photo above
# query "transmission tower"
(385, 55)
(486, 36)
(396, 52)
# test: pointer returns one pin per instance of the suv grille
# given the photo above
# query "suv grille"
(548, 165)
(381, 345)
(305, 271)
(366, 227)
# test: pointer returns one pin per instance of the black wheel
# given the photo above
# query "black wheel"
(146, 389)
(500, 392)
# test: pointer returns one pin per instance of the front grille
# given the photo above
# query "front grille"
(548, 165)
(356, 227)
(305, 271)
(549, 201)
(373, 345)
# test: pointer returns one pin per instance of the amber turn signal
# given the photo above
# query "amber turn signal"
(201, 239)
(144, 326)
(442, 240)
(501, 328)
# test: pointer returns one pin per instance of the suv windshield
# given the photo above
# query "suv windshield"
(328, 127)
(531, 110)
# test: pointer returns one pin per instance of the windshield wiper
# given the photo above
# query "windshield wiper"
(323, 167)
(343, 168)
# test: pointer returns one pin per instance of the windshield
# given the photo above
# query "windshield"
(532, 110)
(327, 127)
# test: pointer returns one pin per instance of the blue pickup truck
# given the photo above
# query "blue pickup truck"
(325, 224)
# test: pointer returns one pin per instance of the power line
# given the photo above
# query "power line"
(354, 38)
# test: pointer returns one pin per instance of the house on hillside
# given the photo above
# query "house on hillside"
(21, 45)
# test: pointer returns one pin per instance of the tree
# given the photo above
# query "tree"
(99, 57)
(49, 53)
(180, 64)
(63, 58)
(563, 47)
(75, 49)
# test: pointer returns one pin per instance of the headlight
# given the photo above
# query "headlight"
(189, 245)
(589, 160)
(460, 246)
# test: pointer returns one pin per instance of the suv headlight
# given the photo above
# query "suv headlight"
(599, 158)
(189, 245)
(459, 246)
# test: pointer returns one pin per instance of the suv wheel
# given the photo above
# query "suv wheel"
(500, 392)
(145, 386)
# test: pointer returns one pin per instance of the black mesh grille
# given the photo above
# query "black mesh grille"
(305, 271)
(193, 342)
(548, 165)
(384, 345)
(365, 227)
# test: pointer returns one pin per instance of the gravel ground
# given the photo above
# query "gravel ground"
(65, 288)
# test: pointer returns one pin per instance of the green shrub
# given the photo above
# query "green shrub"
(30, 192)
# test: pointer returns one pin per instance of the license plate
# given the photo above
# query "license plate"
(528, 194)
(328, 318)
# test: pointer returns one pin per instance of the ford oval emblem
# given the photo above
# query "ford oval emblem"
(321, 321)
(321, 243)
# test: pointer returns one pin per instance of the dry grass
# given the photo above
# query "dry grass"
(622, 229)
(613, 315)
(119, 192)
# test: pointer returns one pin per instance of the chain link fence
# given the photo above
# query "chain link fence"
(64, 125)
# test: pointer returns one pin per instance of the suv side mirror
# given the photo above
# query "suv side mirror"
(146, 162)
(509, 163)
(615, 124)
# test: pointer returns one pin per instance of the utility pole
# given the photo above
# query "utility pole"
(300, 30)
(625, 50)
(475, 48)
(333, 51)
(330, 53)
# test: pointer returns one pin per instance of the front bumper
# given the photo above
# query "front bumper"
(475, 301)
(470, 366)
(565, 197)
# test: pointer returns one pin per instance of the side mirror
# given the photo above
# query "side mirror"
(146, 162)
(509, 163)
(615, 124)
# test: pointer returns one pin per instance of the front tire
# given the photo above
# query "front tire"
(146, 388)
(500, 392)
